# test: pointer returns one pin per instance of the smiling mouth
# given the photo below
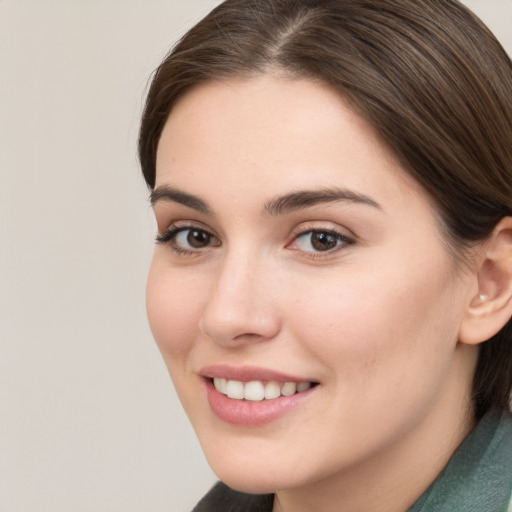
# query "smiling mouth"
(257, 391)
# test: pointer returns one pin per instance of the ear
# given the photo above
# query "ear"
(491, 307)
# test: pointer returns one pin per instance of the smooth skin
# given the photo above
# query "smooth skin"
(358, 294)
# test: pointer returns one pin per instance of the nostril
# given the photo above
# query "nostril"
(250, 336)
(237, 331)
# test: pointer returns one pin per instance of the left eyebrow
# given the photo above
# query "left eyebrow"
(306, 198)
(171, 194)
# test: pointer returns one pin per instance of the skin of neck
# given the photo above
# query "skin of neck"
(394, 479)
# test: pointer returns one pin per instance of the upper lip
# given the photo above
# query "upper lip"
(248, 374)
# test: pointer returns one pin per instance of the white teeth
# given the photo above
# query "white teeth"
(303, 386)
(272, 390)
(235, 389)
(220, 385)
(288, 389)
(256, 391)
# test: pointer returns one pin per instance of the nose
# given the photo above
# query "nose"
(241, 305)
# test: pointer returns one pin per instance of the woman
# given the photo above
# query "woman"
(332, 285)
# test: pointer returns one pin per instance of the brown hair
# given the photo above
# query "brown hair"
(428, 75)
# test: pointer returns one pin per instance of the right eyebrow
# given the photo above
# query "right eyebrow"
(166, 193)
(307, 198)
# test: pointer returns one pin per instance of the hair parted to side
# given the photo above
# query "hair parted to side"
(429, 76)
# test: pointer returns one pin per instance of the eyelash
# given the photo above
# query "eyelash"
(169, 237)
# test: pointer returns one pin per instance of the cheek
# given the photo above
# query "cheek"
(173, 307)
(371, 333)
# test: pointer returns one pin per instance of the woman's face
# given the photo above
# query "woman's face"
(297, 255)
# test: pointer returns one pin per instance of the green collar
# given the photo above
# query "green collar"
(479, 475)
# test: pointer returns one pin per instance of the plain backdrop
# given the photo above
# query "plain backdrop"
(88, 418)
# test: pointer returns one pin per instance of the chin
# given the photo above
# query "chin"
(264, 471)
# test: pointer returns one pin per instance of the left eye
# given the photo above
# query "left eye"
(320, 241)
(193, 238)
(183, 239)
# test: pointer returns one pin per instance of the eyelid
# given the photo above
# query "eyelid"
(165, 226)
(328, 227)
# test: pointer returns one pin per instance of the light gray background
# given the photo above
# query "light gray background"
(88, 419)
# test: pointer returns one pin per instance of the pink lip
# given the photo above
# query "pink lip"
(246, 413)
(247, 374)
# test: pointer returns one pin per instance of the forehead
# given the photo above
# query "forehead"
(277, 131)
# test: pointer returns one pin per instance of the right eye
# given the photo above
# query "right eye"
(188, 239)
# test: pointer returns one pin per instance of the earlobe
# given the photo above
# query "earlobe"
(491, 307)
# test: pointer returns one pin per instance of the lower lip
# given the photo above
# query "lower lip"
(251, 414)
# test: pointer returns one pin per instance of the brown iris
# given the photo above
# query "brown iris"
(322, 241)
(198, 239)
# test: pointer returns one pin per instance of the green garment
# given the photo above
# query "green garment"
(479, 475)
(478, 478)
